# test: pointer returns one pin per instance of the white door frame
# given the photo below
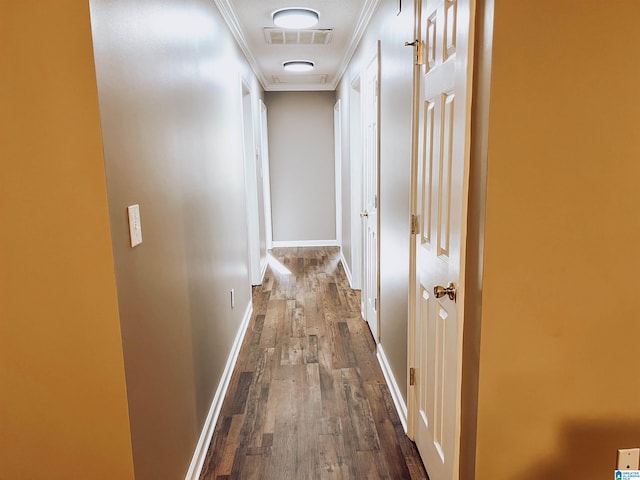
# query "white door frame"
(355, 156)
(337, 142)
(251, 185)
(264, 150)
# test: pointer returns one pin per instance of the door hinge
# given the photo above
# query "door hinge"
(415, 225)
(375, 304)
(412, 376)
(419, 46)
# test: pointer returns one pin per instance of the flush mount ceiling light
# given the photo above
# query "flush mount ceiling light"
(295, 18)
(298, 66)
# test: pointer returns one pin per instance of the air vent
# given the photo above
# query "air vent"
(276, 36)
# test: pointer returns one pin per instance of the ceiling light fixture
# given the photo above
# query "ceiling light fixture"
(295, 18)
(298, 66)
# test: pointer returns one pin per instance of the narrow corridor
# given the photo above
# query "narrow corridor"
(307, 399)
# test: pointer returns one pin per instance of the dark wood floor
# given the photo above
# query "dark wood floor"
(307, 399)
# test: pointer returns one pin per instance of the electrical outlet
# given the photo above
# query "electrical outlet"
(628, 458)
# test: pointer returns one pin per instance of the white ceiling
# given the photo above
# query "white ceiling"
(342, 23)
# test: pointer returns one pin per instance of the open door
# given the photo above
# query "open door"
(253, 191)
(370, 194)
(266, 182)
(355, 155)
(440, 194)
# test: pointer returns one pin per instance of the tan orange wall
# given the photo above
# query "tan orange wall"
(559, 389)
(63, 406)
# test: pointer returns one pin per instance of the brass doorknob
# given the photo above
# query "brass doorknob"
(439, 291)
(364, 214)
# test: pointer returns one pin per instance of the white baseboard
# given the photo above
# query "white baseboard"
(263, 271)
(305, 243)
(197, 462)
(346, 269)
(398, 401)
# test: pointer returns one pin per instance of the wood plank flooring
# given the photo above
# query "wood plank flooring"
(307, 399)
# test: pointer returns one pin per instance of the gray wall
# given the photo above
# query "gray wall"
(301, 156)
(395, 165)
(169, 84)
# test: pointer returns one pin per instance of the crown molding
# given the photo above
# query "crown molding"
(231, 18)
(368, 10)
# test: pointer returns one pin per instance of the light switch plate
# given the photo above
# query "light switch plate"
(135, 227)
(628, 458)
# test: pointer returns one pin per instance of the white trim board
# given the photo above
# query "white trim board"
(337, 170)
(197, 462)
(305, 243)
(398, 401)
(263, 269)
(347, 272)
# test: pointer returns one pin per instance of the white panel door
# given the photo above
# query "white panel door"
(370, 191)
(441, 187)
(355, 144)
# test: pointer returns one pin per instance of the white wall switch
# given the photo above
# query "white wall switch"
(135, 227)
(233, 298)
(628, 458)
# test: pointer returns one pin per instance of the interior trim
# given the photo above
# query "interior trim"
(231, 18)
(398, 401)
(263, 268)
(347, 272)
(475, 236)
(197, 462)
(305, 243)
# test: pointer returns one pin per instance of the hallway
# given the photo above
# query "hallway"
(307, 398)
